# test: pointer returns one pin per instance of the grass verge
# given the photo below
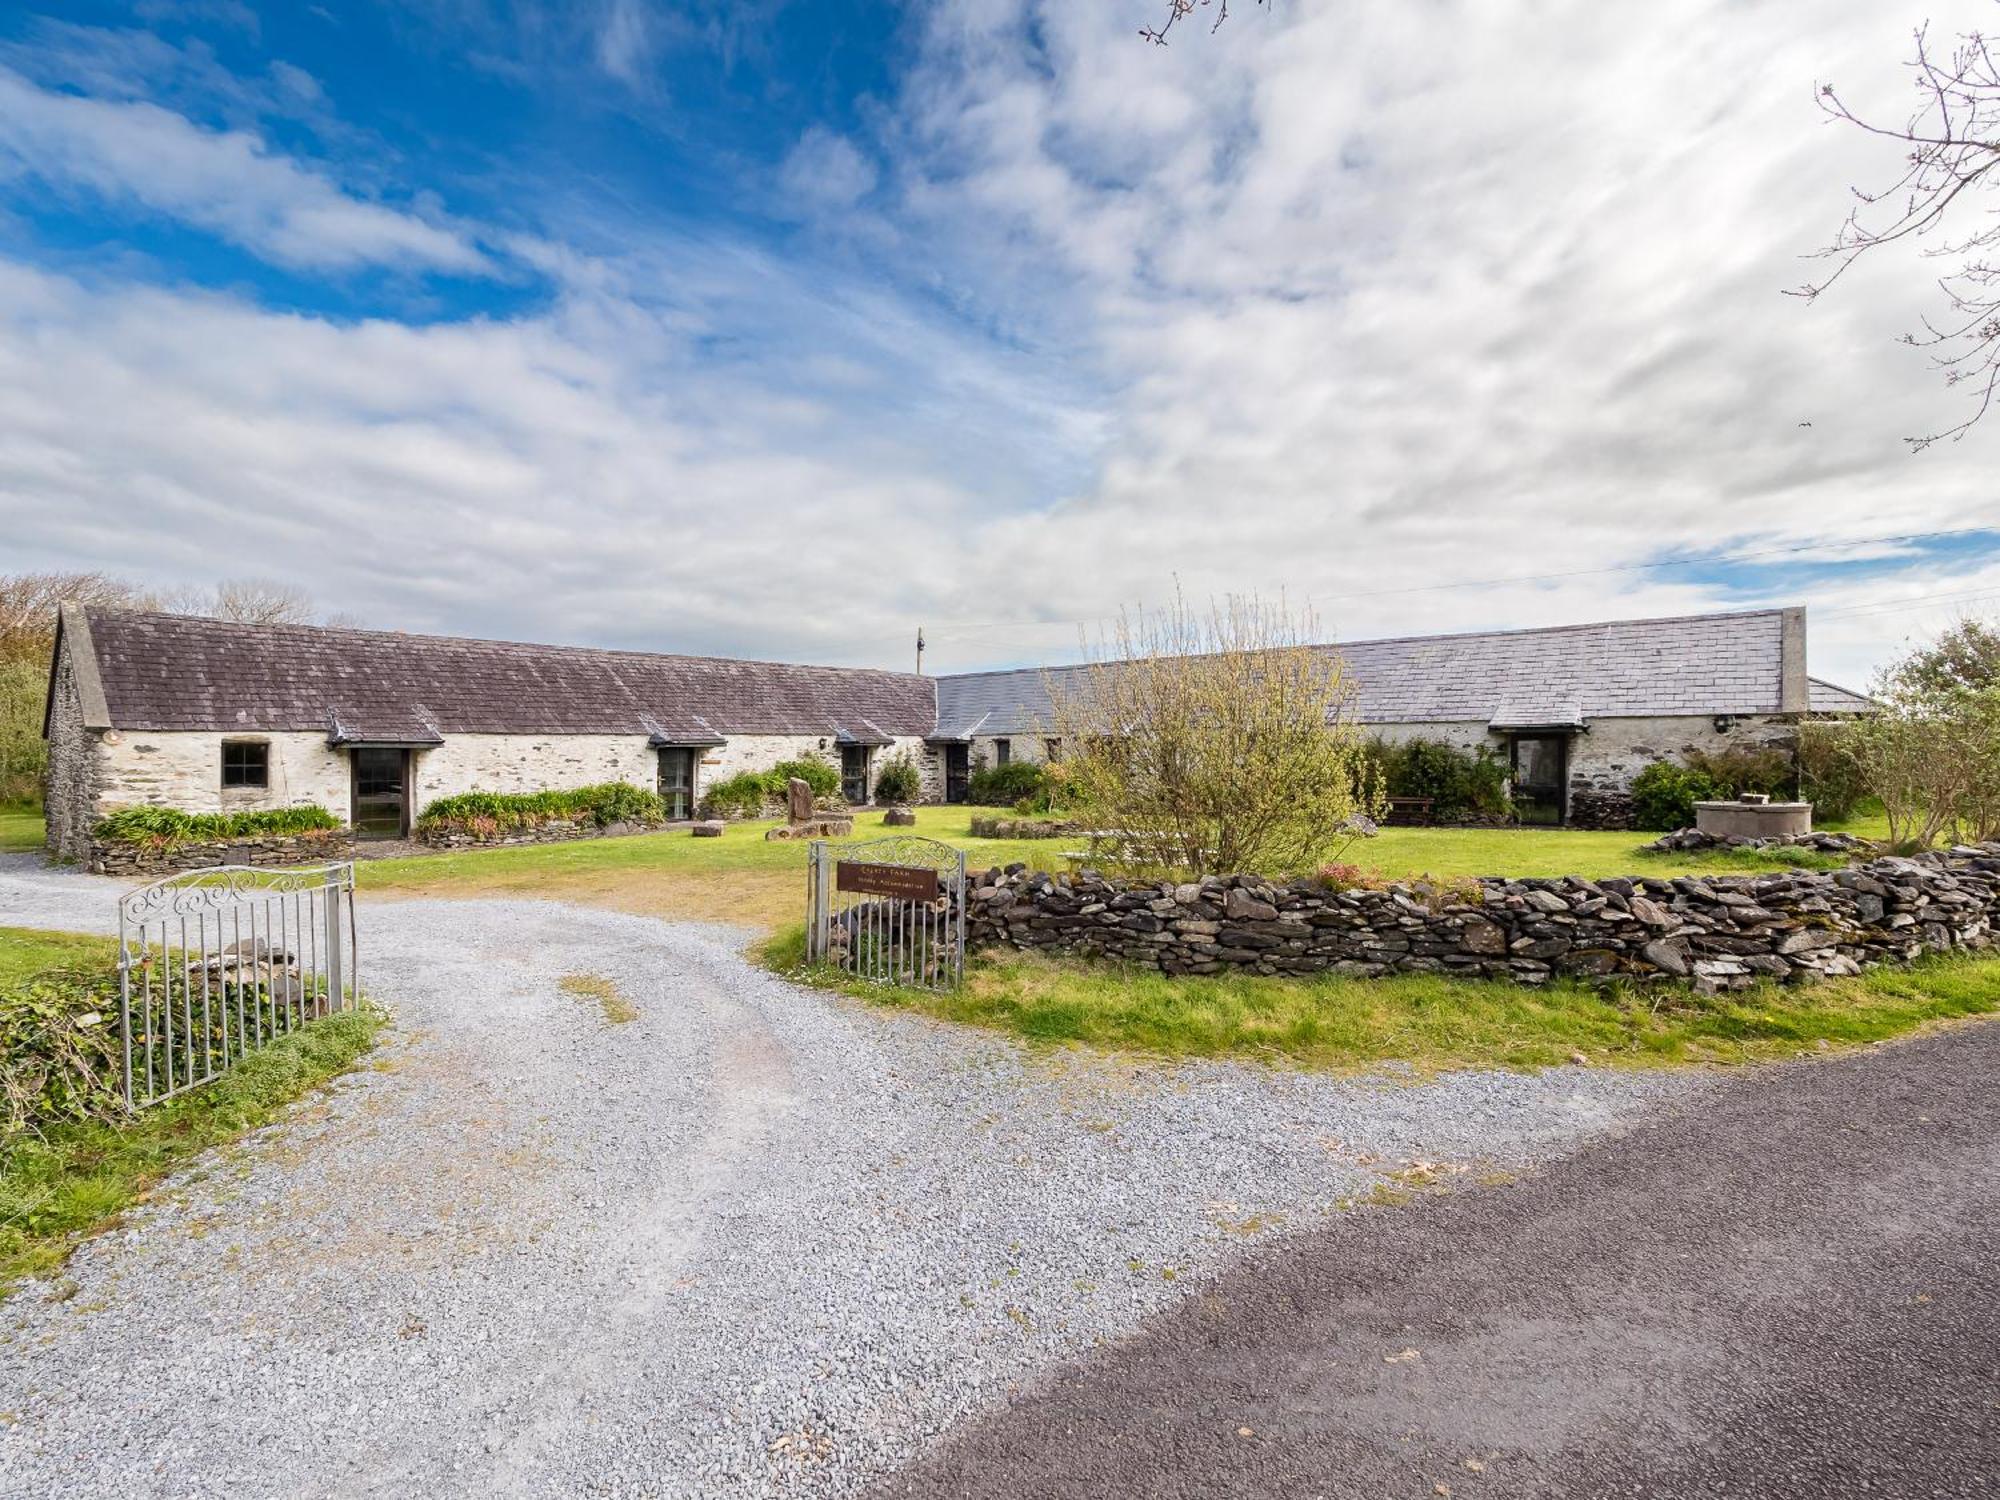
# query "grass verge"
(1427, 1021)
(71, 1181)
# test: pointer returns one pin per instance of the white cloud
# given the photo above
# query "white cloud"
(225, 182)
(825, 172)
(1340, 301)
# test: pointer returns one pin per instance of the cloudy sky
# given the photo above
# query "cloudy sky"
(782, 329)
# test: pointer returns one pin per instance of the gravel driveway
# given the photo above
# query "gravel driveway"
(758, 1241)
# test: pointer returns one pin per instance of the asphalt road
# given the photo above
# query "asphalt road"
(1788, 1290)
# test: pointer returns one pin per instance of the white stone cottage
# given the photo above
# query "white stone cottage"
(1576, 711)
(208, 715)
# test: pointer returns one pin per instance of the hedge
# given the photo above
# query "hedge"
(168, 827)
(1006, 786)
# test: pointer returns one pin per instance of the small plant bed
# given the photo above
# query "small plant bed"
(1019, 826)
(530, 817)
(761, 794)
(169, 827)
(1429, 1022)
(71, 1158)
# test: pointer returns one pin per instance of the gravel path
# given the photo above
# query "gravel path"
(758, 1241)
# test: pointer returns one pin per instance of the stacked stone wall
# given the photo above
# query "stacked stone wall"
(1716, 933)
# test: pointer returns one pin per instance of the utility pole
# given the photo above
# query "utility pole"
(920, 650)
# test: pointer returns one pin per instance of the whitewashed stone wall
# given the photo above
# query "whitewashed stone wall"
(184, 770)
(530, 763)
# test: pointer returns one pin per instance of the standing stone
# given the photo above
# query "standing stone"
(799, 800)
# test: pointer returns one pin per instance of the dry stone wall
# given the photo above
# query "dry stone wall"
(107, 857)
(1715, 933)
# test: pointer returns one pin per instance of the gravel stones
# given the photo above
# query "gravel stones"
(759, 1241)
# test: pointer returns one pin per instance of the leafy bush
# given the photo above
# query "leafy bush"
(740, 796)
(898, 780)
(493, 812)
(1831, 777)
(1007, 786)
(1664, 794)
(59, 1057)
(1456, 781)
(1743, 768)
(817, 774)
(168, 827)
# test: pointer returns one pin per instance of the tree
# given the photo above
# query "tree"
(1931, 750)
(249, 601)
(1180, 10)
(1941, 201)
(1215, 741)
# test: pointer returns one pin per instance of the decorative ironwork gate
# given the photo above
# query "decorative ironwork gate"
(890, 910)
(215, 963)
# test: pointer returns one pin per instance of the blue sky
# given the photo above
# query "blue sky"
(783, 329)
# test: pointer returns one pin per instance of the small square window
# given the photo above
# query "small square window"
(246, 763)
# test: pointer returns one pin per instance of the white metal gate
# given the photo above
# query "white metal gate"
(891, 910)
(215, 963)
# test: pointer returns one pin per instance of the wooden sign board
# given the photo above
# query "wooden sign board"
(903, 882)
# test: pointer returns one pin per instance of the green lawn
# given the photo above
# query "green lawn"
(1427, 1021)
(20, 829)
(742, 878)
(61, 1186)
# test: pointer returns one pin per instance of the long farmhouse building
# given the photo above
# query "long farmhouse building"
(210, 715)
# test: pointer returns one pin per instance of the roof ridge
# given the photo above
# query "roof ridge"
(1454, 635)
(475, 640)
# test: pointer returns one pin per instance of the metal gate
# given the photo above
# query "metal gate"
(215, 963)
(890, 910)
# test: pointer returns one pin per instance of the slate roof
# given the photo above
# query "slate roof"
(1689, 665)
(180, 672)
(1832, 698)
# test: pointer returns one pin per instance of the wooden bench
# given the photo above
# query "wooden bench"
(1409, 812)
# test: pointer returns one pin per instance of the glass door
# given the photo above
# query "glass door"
(381, 801)
(854, 774)
(957, 772)
(1541, 773)
(677, 783)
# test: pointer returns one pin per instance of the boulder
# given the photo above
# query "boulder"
(710, 829)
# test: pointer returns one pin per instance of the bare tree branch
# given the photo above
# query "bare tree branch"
(1180, 10)
(1953, 138)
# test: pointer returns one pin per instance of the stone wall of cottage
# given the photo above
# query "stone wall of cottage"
(1718, 934)
(70, 791)
(1604, 759)
(183, 769)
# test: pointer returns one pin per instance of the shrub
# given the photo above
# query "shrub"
(1456, 781)
(740, 796)
(1743, 768)
(817, 774)
(898, 780)
(486, 813)
(168, 827)
(59, 1059)
(1830, 775)
(1664, 794)
(1006, 786)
